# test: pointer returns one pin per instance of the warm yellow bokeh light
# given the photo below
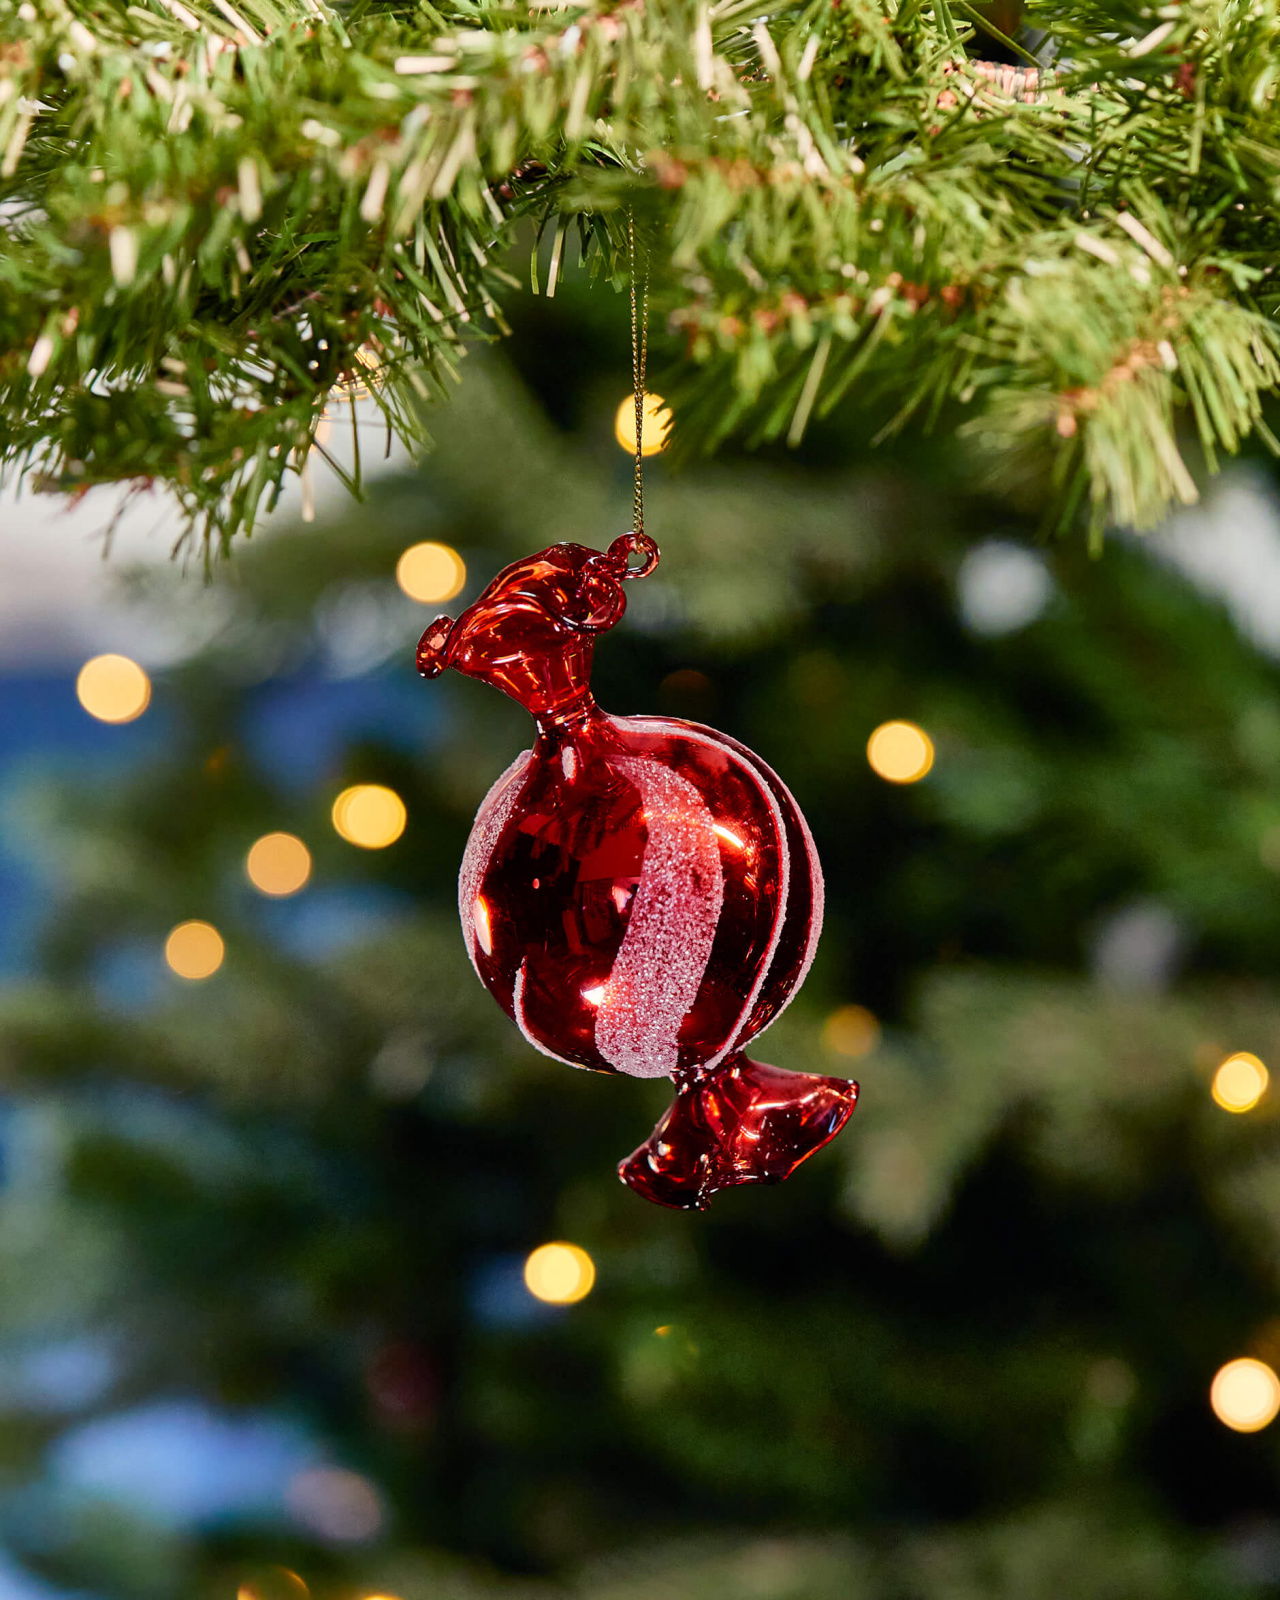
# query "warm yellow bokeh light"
(559, 1273)
(656, 426)
(851, 1031)
(1240, 1082)
(1245, 1395)
(900, 752)
(277, 1583)
(431, 573)
(278, 864)
(370, 815)
(113, 688)
(194, 950)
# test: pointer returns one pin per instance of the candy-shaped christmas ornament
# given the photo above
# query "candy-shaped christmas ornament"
(639, 894)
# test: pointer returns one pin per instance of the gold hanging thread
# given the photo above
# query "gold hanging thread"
(639, 274)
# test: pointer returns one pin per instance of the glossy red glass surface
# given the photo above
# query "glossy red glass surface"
(639, 894)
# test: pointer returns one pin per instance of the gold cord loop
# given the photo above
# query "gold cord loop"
(639, 274)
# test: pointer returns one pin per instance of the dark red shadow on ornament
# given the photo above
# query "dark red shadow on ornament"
(742, 1122)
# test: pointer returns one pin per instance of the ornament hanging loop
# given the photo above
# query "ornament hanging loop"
(620, 552)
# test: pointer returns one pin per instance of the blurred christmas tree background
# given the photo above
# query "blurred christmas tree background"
(264, 1328)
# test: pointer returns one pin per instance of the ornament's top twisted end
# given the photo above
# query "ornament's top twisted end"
(620, 552)
(531, 632)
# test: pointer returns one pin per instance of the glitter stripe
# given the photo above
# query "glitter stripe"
(716, 742)
(675, 912)
(517, 1012)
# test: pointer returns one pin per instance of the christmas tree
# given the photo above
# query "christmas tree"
(1057, 235)
(317, 1279)
(265, 1230)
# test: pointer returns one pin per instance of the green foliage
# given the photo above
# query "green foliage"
(215, 214)
(962, 1356)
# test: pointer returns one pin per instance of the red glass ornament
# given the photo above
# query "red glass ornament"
(639, 894)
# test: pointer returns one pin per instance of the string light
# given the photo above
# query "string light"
(851, 1031)
(431, 573)
(277, 1583)
(369, 815)
(1240, 1082)
(1245, 1395)
(366, 377)
(278, 864)
(194, 950)
(655, 429)
(559, 1273)
(113, 688)
(900, 752)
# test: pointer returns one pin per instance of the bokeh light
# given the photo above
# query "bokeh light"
(851, 1031)
(1245, 1394)
(1001, 587)
(278, 864)
(688, 693)
(369, 815)
(559, 1273)
(656, 425)
(194, 950)
(113, 688)
(900, 752)
(1240, 1082)
(337, 1505)
(275, 1583)
(431, 572)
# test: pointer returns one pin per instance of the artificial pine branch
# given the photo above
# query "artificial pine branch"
(217, 212)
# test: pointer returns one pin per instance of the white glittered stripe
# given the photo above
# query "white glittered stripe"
(494, 814)
(675, 912)
(666, 730)
(517, 1011)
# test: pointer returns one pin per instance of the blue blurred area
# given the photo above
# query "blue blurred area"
(18, 1584)
(498, 1298)
(173, 1461)
(181, 1464)
(298, 727)
(295, 731)
(44, 729)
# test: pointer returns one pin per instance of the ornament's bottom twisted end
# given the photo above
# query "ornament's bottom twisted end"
(744, 1122)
